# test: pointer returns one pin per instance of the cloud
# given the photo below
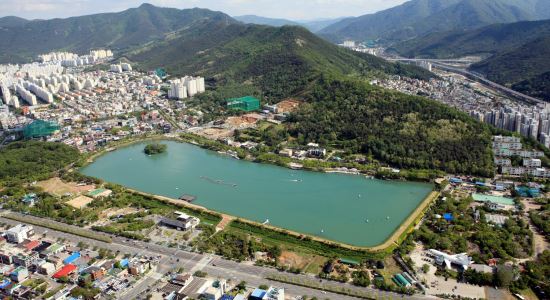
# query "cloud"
(292, 9)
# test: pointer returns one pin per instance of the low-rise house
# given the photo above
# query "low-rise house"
(137, 266)
(29, 245)
(6, 258)
(20, 274)
(54, 249)
(182, 223)
(286, 152)
(46, 269)
(30, 199)
(182, 279)
(66, 271)
(317, 152)
(25, 259)
(496, 219)
(212, 293)
(56, 261)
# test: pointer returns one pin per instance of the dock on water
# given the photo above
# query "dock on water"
(188, 198)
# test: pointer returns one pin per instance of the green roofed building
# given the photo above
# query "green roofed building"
(493, 199)
(247, 103)
(40, 128)
(349, 262)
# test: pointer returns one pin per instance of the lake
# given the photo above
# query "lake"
(345, 208)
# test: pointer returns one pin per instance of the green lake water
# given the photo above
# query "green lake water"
(344, 208)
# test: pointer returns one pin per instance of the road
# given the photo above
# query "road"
(494, 85)
(440, 64)
(215, 266)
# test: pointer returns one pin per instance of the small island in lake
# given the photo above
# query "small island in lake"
(156, 148)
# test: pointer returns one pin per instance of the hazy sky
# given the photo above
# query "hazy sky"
(291, 9)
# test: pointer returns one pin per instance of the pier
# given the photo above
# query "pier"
(187, 198)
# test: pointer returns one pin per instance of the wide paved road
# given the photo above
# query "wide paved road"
(214, 265)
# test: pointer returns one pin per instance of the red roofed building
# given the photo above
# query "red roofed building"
(65, 271)
(31, 245)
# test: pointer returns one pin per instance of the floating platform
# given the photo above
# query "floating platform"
(188, 198)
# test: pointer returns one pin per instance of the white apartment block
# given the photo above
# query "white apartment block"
(532, 163)
(506, 139)
(186, 87)
(501, 161)
(116, 68)
(515, 171)
(521, 153)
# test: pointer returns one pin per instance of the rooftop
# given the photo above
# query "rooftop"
(494, 199)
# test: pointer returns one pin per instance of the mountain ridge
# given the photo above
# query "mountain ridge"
(118, 31)
(419, 17)
(311, 25)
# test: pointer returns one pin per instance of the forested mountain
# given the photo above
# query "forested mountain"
(12, 21)
(405, 131)
(118, 31)
(313, 25)
(342, 110)
(279, 61)
(253, 19)
(419, 17)
(525, 68)
(486, 41)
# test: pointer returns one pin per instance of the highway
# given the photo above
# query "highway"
(440, 64)
(494, 85)
(217, 267)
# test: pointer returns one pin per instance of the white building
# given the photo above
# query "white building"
(516, 171)
(442, 258)
(500, 161)
(19, 233)
(29, 97)
(212, 293)
(191, 84)
(116, 68)
(6, 95)
(275, 294)
(101, 53)
(177, 90)
(532, 163)
(126, 67)
(349, 44)
(189, 221)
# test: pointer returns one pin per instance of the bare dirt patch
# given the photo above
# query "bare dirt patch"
(225, 220)
(58, 187)
(80, 202)
(215, 133)
(292, 259)
(118, 211)
(288, 105)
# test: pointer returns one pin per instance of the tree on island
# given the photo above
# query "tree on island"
(156, 148)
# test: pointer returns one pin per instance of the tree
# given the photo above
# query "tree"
(263, 287)
(361, 278)
(504, 276)
(241, 286)
(425, 268)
